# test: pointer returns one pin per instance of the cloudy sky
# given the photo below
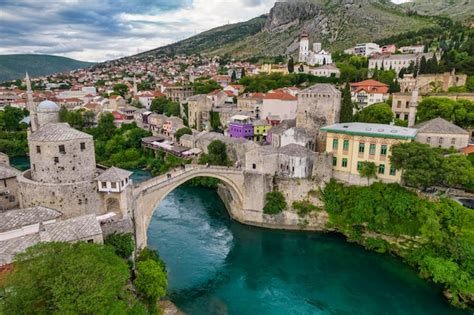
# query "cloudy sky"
(98, 30)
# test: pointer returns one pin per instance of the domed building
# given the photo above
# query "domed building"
(47, 112)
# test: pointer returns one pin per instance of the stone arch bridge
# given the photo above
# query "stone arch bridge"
(149, 194)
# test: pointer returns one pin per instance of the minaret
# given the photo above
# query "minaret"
(135, 88)
(413, 105)
(30, 105)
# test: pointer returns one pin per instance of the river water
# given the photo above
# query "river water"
(218, 266)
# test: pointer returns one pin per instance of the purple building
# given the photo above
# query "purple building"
(241, 126)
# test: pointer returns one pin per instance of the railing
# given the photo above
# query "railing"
(180, 173)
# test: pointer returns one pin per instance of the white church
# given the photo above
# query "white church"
(316, 56)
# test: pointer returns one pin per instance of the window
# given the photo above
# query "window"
(62, 149)
(361, 147)
(346, 145)
(103, 184)
(335, 144)
(372, 149)
(359, 166)
(83, 146)
(441, 140)
(334, 161)
(381, 168)
(38, 149)
(56, 160)
(344, 162)
(393, 171)
(254, 166)
(90, 241)
(453, 140)
(113, 185)
(399, 104)
(383, 149)
(428, 140)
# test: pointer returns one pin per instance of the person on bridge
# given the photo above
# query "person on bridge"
(168, 175)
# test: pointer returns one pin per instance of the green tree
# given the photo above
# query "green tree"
(11, 117)
(120, 89)
(291, 65)
(182, 131)
(64, 278)
(457, 170)
(205, 86)
(216, 122)
(121, 243)
(347, 108)
(274, 202)
(368, 170)
(379, 113)
(394, 86)
(459, 112)
(151, 280)
(470, 84)
(158, 104)
(106, 127)
(233, 77)
(419, 162)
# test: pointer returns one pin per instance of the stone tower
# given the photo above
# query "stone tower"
(30, 105)
(304, 47)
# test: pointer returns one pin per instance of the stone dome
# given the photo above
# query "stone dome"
(48, 106)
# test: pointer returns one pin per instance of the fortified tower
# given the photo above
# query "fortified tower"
(413, 106)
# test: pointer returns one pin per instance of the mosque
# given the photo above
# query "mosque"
(63, 186)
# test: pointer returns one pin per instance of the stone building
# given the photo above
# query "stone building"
(291, 161)
(178, 93)
(440, 133)
(432, 83)
(199, 107)
(396, 62)
(318, 106)
(8, 186)
(251, 102)
(354, 143)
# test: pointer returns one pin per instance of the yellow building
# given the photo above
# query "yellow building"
(272, 68)
(260, 130)
(353, 143)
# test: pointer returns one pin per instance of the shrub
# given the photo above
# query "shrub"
(274, 203)
(121, 243)
(304, 207)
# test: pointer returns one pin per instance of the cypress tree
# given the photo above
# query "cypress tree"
(291, 65)
(423, 66)
(347, 113)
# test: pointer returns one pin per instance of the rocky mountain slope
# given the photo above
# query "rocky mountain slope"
(13, 67)
(338, 24)
(458, 10)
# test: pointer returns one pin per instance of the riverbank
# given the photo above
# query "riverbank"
(217, 265)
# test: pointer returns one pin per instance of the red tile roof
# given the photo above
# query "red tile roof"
(280, 96)
(370, 86)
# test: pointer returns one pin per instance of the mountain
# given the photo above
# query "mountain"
(13, 67)
(338, 24)
(458, 10)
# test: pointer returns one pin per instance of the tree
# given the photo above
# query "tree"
(89, 118)
(470, 84)
(64, 278)
(394, 87)
(151, 280)
(182, 131)
(402, 72)
(120, 89)
(423, 65)
(368, 170)
(233, 77)
(347, 108)
(457, 170)
(459, 112)
(379, 113)
(291, 65)
(274, 202)
(205, 87)
(216, 121)
(217, 153)
(121, 243)
(242, 73)
(106, 127)
(158, 104)
(10, 120)
(419, 162)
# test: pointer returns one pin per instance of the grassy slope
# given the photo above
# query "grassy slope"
(14, 66)
(459, 10)
(212, 39)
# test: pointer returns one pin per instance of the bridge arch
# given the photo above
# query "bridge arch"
(149, 194)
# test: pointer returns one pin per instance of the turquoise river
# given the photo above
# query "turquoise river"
(218, 266)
